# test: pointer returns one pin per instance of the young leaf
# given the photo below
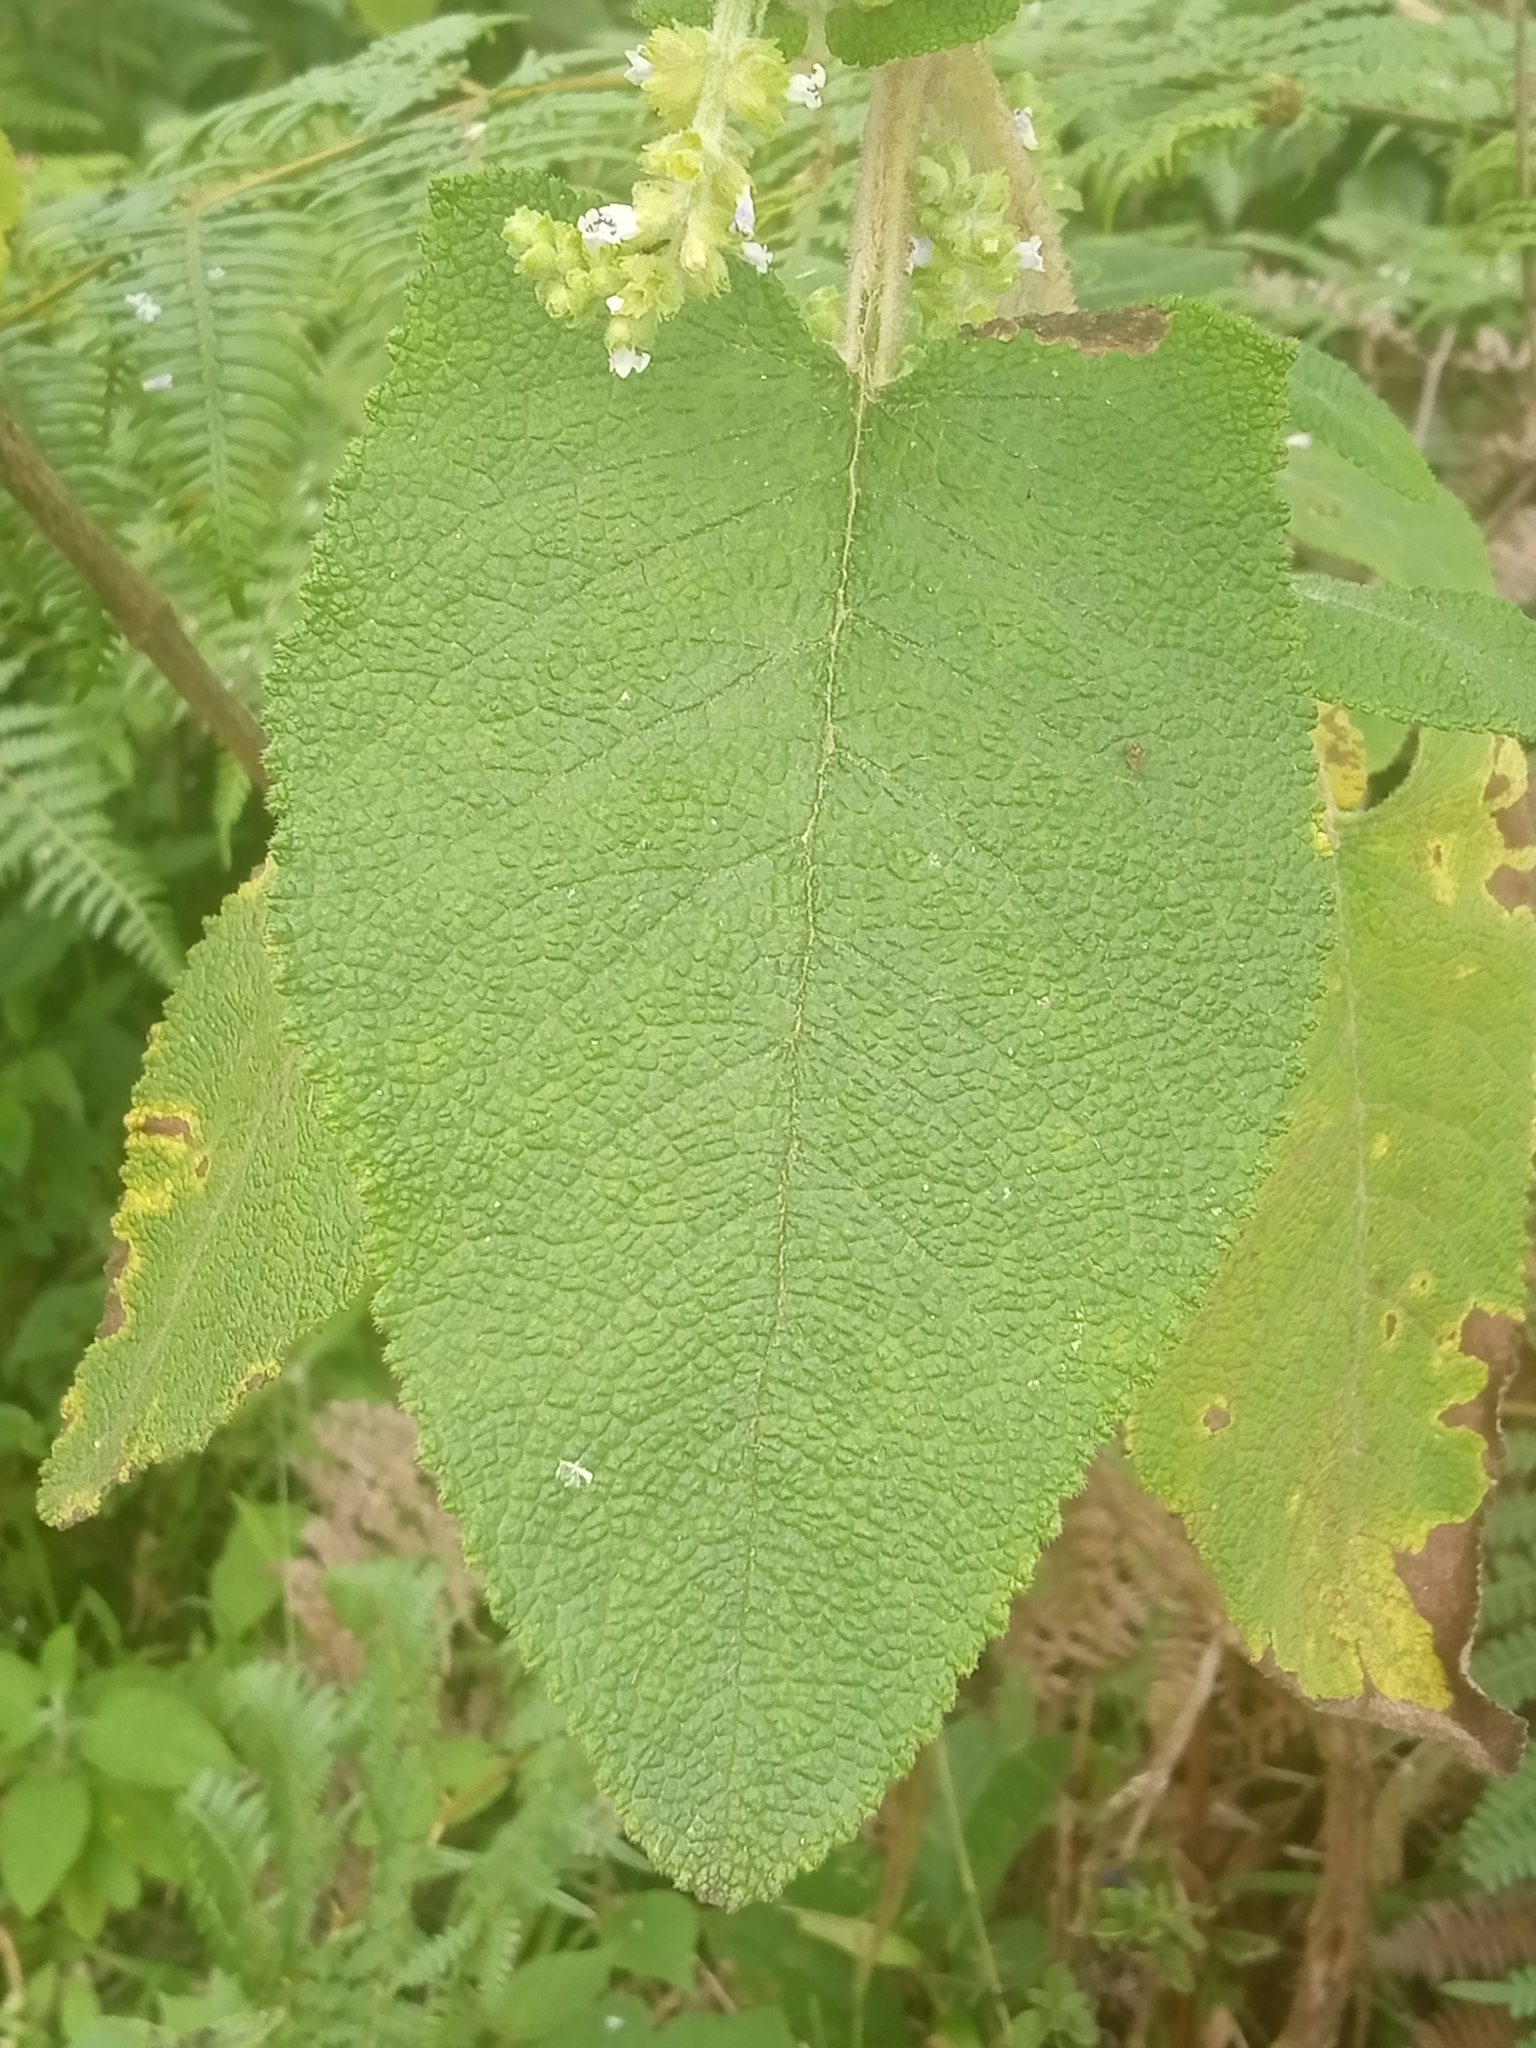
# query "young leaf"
(1359, 488)
(868, 35)
(653, 1934)
(142, 1735)
(1300, 1427)
(1449, 658)
(44, 1821)
(238, 1228)
(1329, 403)
(799, 1031)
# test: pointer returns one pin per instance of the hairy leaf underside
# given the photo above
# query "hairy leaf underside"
(237, 1232)
(805, 911)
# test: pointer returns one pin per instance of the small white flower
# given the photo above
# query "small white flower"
(1298, 440)
(640, 67)
(605, 225)
(625, 361)
(919, 252)
(805, 87)
(161, 381)
(1029, 254)
(615, 302)
(569, 1473)
(759, 257)
(145, 306)
(474, 131)
(1024, 127)
(215, 273)
(744, 219)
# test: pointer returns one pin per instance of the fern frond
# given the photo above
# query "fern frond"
(1498, 1844)
(1471, 1937)
(1465, 2026)
(288, 1729)
(1516, 1993)
(227, 376)
(52, 824)
(226, 1846)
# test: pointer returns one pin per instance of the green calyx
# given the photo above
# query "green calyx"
(967, 251)
(718, 89)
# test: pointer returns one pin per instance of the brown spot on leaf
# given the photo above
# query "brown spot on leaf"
(1136, 756)
(1513, 887)
(1119, 330)
(114, 1315)
(201, 1168)
(1216, 1417)
(1443, 1582)
(164, 1127)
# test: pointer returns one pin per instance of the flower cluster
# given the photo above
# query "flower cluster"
(966, 253)
(717, 89)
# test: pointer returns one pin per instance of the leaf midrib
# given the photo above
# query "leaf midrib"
(792, 1046)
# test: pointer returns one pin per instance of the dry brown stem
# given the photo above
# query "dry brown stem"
(143, 614)
(1336, 1957)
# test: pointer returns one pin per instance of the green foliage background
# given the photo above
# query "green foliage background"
(255, 170)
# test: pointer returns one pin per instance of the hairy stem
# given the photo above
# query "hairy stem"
(874, 326)
(1520, 22)
(143, 615)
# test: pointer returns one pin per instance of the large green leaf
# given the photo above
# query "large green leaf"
(750, 881)
(870, 32)
(238, 1229)
(1300, 1426)
(1451, 658)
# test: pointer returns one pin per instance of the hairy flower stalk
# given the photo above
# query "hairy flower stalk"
(717, 89)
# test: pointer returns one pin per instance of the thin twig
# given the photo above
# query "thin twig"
(143, 614)
(988, 1960)
(1429, 390)
(28, 309)
(504, 96)
(716, 1989)
(1145, 1791)
(905, 1811)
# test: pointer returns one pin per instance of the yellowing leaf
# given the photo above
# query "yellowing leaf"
(1299, 1428)
(237, 1232)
